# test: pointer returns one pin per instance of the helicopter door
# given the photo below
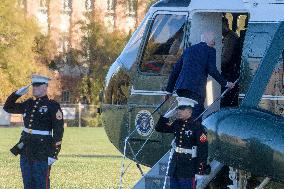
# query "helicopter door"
(210, 22)
(161, 47)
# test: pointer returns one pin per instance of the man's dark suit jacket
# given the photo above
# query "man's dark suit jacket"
(192, 69)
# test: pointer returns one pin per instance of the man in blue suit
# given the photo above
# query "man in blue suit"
(189, 76)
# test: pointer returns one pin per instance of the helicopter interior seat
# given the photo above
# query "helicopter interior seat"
(172, 50)
(163, 63)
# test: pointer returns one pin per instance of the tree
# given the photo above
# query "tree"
(101, 48)
(45, 51)
(17, 58)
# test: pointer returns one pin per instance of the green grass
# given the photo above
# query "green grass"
(87, 160)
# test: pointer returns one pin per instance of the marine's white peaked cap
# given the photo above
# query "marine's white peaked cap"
(182, 101)
(39, 79)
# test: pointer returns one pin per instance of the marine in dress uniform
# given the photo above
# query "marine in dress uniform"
(191, 151)
(40, 140)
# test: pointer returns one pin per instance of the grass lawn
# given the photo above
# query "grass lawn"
(87, 160)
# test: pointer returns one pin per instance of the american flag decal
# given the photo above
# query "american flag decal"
(203, 138)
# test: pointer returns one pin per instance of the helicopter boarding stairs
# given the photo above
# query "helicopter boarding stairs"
(155, 178)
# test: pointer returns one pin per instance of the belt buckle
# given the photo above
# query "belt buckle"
(180, 150)
(30, 131)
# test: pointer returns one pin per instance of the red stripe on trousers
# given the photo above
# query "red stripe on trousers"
(193, 183)
(46, 178)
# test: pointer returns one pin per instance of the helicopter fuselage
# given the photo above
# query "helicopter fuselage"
(245, 137)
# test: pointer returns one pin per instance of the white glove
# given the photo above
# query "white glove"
(170, 113)
(230, 85)
(50, 161)
(23, 90)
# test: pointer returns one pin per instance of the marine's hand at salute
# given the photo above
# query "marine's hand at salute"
(22, 90)
(230, 85)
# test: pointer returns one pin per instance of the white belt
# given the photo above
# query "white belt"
(36, 132)
(192, 151)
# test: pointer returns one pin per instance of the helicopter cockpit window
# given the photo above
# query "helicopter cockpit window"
(273, 97)
(165, 44)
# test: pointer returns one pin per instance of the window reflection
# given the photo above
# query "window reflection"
(129, 54)
(117, 90)
(164, 45)
(273, 98)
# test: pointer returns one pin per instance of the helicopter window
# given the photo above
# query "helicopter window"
(130, 52)
(165, 44)
(273, 99)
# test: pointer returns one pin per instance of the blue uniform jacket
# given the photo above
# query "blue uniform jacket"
(192, 69)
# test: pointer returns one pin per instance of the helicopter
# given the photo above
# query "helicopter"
(248, 137)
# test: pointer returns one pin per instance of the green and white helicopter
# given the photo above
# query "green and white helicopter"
(248, 138)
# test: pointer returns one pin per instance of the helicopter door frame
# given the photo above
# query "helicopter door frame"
(211, 20)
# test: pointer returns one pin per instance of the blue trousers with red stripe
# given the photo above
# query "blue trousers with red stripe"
(182, 183)
(35, 173)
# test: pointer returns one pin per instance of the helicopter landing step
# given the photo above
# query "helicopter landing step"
(154, 179)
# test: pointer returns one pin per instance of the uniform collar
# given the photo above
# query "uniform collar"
(186, 121)
(41, 98)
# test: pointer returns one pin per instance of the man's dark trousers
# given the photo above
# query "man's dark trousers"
(35, 173)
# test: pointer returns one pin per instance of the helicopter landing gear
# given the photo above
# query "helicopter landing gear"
(263, 183)
(239, 178)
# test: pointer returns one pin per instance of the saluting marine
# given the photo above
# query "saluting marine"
(42, 134)
(191, 145)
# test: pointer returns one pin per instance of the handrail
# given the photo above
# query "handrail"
(217, 99)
